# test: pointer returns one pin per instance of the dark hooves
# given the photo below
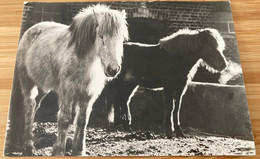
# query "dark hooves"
(179, 132)
(172, 135)
(27, 151)
(122, 127)
(128, 128)
(169, 134)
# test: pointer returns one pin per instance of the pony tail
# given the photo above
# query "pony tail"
(83, 34)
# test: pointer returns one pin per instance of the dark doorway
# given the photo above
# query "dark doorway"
(146, 30)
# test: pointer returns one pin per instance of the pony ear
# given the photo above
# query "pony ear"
(205, 31)
(124, 13)
(83, 34)
(95, 16)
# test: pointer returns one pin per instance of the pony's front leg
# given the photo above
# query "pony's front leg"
(122, 99)
(64, 120)
(176, 119)
(168, 110)
(171, 114)
(83, 113)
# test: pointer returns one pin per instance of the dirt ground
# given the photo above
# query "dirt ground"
(102, 142)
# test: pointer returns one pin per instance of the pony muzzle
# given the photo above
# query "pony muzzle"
(225, 67)
(222, 66)
(112, 71)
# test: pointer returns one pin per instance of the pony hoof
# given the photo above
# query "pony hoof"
(169, 135)
(13, 147)
(119, 127)
(128, 128)
(180, 133)
(27, 151)
(78, 154)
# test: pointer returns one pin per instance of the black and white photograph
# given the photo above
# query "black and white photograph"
(132, 78)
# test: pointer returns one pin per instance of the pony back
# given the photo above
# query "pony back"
(186, 41)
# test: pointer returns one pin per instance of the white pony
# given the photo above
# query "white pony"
(74, 61)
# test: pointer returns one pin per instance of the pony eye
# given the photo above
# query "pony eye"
(101, 37)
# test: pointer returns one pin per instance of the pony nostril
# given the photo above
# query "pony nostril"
(224, 66)
(112, 72)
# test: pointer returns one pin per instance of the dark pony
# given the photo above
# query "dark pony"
(74, 61)
(170, 65)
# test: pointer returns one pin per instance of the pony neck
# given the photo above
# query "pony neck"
(191, 62)
(188, 62)
(188, 65)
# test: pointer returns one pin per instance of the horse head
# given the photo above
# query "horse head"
(111, 33)
(212, 47)
(102, 31)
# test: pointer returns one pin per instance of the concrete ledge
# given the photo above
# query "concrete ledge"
(208, 107)
(218, 109)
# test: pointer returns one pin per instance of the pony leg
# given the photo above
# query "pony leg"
(82, 118)
(176, 120)
(64, 119)
(172, 108)
(176, 113)
(29, 91)
(78, 140)
(121, 104)
(38, 99)
(34, 101)
(28, 134)
(168, 110)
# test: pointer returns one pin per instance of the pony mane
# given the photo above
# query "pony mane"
(187, 41)
(84, 27)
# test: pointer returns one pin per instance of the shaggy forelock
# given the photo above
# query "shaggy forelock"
(84, 24)
(220, 41)
(113, 22)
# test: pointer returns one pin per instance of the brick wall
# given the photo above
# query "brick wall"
(169, 16)
(193, 15)
(36, 12)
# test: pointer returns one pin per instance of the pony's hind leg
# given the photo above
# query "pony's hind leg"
(41, 95)
(171, 114)
(176, 120)
(29, 91)
(64, 120)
